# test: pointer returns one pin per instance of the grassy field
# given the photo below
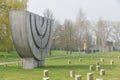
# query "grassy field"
(58, 67)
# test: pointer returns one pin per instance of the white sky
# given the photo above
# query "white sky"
(68, 9)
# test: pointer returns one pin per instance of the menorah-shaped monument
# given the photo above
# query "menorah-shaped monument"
(32, 35)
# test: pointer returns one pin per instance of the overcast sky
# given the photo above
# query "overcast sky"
(68, 9)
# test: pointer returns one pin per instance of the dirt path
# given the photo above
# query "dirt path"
(5, 63)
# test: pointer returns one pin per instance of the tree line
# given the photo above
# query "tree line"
(84, 34)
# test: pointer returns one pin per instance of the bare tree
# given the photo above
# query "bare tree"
(68, 35)
(80, 23)
(103, 34)
(56, 44)
(82, 26)
(116, 34)
(48, 13)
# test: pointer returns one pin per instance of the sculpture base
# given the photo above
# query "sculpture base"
(30, 63)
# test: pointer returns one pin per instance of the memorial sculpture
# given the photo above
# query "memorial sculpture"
(32, 36)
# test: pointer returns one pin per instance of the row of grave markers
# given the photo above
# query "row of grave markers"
(77, 77)
(69, 62)
(101, 59)
(89, 75)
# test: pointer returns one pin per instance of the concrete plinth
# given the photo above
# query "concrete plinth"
(91, 67)
(111, 62)
(97, 67)
(89, 76)
(98, 79)
(69, 61)
(45, 78)
(78, 77)
(72, 73)
(30, 63)
(102, 72)
(45, 73)
(102, 59)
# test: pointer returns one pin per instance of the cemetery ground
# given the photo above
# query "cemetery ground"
(58, 66)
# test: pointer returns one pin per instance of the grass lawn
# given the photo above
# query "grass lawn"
(58, 67)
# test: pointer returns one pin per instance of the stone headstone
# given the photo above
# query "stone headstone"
(45, 73)
(78, 77)
(89, 76)
(91, 67)
(102, 59)
(72, 73)
(46, 79)
(102, 72)
(69, 61)
(98, 79)
(97, 67)
(111, 62)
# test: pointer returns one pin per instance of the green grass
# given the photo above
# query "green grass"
(8, 57)
(58, 67)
